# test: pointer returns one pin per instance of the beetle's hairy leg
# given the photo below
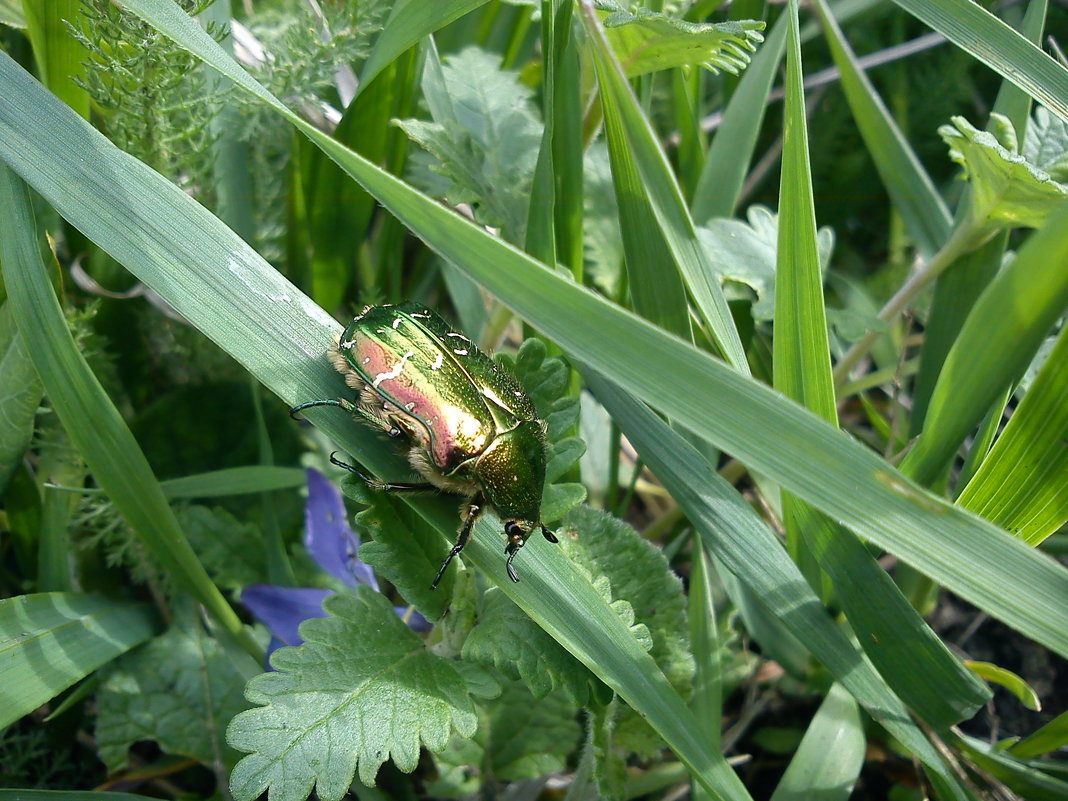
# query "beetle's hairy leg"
(348, 406)
(473, 511)
(549, 534)
(379, 485)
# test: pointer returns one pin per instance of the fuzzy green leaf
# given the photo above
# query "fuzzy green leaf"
(602, 238)
(507, 639)
(180, 690)
(646, 41)
(405, 551)
(231, 551)
(1007, 190)
(361, 690)
(517, 739)
(1046, 144)
(20, 393)
(745, 253)
(639, 573)
(482, 142)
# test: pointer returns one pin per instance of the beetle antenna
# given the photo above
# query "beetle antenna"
(549, 534)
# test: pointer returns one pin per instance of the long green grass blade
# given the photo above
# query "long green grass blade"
(408, 23)
(88, 415)
(910, 657)
(828, 761)
(732, 530)
(731, 151)
(1002, 333)
(975, 559)
(982, 35)
(51, 640)
(661, 192)
(59, 56)
(1023, 484)
(914, 196)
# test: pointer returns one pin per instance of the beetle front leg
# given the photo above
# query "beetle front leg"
(472, 513)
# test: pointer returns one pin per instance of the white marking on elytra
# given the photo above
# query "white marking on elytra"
(397, 322)
(396, 371)
(409, 406)
(423, 315)
(438, 361)
(458, 336)
(347, 344)
(517, 393)
(460, 351)
(366, 359)
(380, 330)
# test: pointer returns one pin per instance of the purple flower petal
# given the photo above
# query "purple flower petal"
(416, 622)
(282, 609)
(328, 537)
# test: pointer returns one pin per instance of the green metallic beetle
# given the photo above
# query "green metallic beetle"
(472, 429)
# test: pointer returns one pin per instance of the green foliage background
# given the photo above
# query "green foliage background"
(784, 399)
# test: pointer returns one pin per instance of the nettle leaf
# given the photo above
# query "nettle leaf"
(180, 690)
(231, 551)
(20, 393)
(517, 739)
(745, 252)
(360, 690)
(1046, 144)
(609, 764)
(640, 575)
(406, 550)
(1007, 190)
(507, 639)
(482, 145)
(646, 41)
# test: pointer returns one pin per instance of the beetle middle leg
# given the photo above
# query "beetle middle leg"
(472, 512)
(383, 486)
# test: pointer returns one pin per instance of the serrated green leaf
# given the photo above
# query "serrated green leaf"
(506, 638)
(405, 551)
(639, 573)
(1046, 144)
(602, 237)
(20, 393)
(518, 738)
(485, 146)
(562, 455)
(50, 640)
(609, 763)
(180, 690)
(559, 498)
(1007, 191)
(231, 551)
(360, 690)
(744, 252)
(646, 40)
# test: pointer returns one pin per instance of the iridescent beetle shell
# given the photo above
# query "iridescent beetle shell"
(472, 429)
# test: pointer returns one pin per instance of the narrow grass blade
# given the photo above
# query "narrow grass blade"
(1002, 333)
(281, 338)
(1023, 483)
(409, 22)
(733, 531)
(88, 415)
(1049, 738)
(51, 640)
(60, 57)
(731, 151)
(661, 192)
(828, 761)
(234, 481)
(913, 195)
(982, 35)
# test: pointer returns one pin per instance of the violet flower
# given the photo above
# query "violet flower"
(334, 546)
